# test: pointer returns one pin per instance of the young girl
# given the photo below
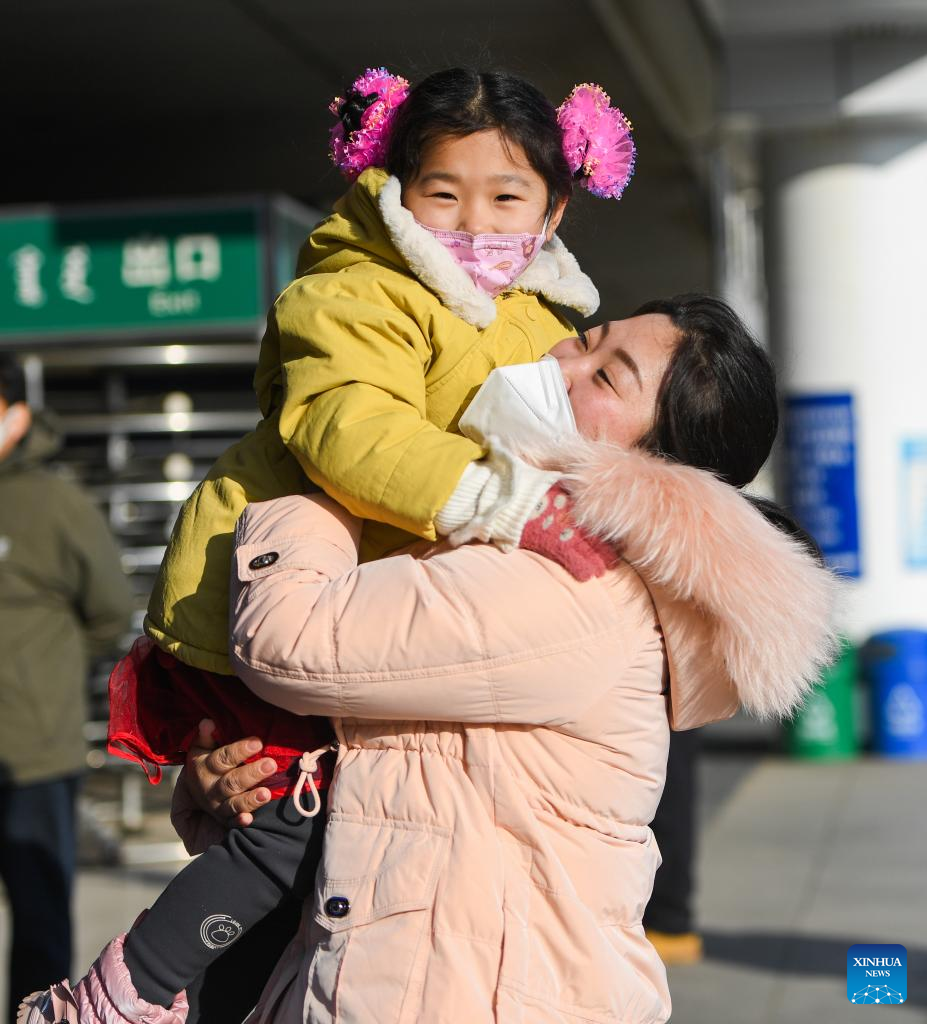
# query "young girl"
(439, 264)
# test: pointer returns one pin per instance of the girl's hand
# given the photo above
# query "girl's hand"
(216, 789)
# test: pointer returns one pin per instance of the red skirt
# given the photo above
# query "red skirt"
(157, 702)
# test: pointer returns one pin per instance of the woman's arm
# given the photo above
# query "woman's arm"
(469, 635)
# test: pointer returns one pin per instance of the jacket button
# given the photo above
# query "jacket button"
(337, 906)
(262, 561)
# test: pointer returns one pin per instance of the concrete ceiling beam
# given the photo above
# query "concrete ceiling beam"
(673, 56)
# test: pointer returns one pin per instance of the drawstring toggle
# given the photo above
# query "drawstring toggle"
(308, 763)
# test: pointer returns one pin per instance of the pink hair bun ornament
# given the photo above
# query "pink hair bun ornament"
(359, 137)
(596, 141)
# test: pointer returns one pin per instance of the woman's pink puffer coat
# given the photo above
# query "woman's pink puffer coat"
(503, 734)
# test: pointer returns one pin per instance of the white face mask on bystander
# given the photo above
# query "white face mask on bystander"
(7, 422)
(523, 404)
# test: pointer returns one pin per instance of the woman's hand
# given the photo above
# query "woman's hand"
(216, 789)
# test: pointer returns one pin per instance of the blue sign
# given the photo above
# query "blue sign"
(820, 439)
(877, 974)
(914, 501)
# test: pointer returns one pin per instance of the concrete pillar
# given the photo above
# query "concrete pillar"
(846, 233)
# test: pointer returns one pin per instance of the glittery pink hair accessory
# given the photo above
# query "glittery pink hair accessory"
(596, 141)
(360, 136)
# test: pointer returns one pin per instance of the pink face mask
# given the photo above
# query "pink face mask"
(492, 262)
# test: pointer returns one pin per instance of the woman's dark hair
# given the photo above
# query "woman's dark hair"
(717, 407)
(460, 102)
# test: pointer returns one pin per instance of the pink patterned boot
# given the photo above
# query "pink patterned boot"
(105, 995)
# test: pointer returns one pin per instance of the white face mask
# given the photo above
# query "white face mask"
(523, 404)
(6, 423)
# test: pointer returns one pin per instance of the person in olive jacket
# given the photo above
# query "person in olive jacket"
(63, 598)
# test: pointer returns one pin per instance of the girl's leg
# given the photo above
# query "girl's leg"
(219, 897)
(230, 987)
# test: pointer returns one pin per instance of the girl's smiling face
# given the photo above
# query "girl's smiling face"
(613, 374)
(480, 184)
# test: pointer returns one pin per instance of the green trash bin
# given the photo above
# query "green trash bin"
(826, 726)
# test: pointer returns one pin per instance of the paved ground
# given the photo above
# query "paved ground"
(798, 862)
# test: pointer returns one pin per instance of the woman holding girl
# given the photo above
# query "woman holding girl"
(501, 724)
(503, 727)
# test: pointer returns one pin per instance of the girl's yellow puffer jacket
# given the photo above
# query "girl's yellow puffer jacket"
(369, 359)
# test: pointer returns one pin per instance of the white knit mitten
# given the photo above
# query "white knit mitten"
(494, 499)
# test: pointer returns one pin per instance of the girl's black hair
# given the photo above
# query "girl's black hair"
(717, 407)
(460, 102)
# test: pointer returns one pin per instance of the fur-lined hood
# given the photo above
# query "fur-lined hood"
(745, 610)
(375, 203)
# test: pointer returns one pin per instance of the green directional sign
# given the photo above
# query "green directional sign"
(154, 271)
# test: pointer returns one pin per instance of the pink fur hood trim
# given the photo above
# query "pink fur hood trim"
(734, 594)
